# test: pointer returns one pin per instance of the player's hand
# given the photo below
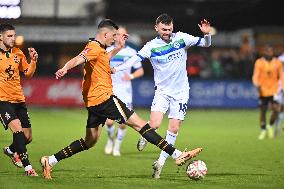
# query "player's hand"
(60, 73)
(126, 77)
(205, 26)
(120, 41)
(282, 92)
(259, 90)
(33, 54)
(112, 70)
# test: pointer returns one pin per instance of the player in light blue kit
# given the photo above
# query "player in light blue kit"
(122, 88)
(280, 100)
(167, 54)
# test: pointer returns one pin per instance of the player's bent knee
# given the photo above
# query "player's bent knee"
(155, 124)
(15, 125)
(136, 122)
(90, 142)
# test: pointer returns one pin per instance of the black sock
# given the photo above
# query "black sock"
(74, 148)
(20, 147)
(154, 138)
(12, 148)
(263, 126)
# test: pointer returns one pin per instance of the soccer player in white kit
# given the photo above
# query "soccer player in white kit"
(280, 100)
(122, 88)
(167, 54)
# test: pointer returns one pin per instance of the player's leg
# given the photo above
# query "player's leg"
(121, 132)
(21, 113)
(93, 131)
(91, 138)
(171, 136)
(110, 133)
(159, 107)
(154, 138)
(115, 109)
(11, 118)
(263, 106)
(177, 111)
(274, 114)
(280, 116)
(19, 143)
(11, 152)
(156, 119)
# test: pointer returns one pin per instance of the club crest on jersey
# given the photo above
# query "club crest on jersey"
(7, 116)
(176, 45)
(16, 59)
(10, 72)
(86, 50)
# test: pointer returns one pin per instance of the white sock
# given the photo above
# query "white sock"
(176, 154)
(110, 131)
(120, 136)
(52, 160)
(9, 151)
(279, 119)
(29, 167)
(171, 139)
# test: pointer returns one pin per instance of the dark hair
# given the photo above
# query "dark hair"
(6, 27)
(164, 19)
(107, 23)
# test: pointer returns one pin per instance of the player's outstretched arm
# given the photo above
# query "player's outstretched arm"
(128, 64)
(119, 44)
(69, 65)
(136, 74)
(204, 26)
(32, 66)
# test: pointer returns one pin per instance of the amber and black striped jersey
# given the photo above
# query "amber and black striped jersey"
(12, 62)
(97, 83)
(267, 75)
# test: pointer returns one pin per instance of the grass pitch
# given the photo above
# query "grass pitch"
(234, 156)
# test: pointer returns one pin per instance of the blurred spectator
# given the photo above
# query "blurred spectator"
(216, 65)
(246, 55)
(194, 65)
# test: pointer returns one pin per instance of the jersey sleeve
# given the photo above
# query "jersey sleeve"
(89, 54)
(280, 73)
(23, 66)
(191, 40)
(145, 52)
(138, 64)
(256, 72)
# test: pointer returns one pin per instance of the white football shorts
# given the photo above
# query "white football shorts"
(175, 108)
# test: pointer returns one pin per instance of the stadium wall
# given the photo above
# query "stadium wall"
(203, 93)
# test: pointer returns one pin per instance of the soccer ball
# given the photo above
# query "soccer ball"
(196, 170)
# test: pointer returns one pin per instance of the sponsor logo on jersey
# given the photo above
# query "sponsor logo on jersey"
(86, 50)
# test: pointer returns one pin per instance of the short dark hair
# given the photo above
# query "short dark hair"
(107, 23)
(6, 27)
(164, 19)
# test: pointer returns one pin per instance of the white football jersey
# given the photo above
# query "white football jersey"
(169, 62)
(123, 89)
(281, 58)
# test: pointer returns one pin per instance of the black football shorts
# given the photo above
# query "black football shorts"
(11, 111)
(113, 108)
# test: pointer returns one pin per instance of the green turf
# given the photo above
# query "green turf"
(234, 156)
